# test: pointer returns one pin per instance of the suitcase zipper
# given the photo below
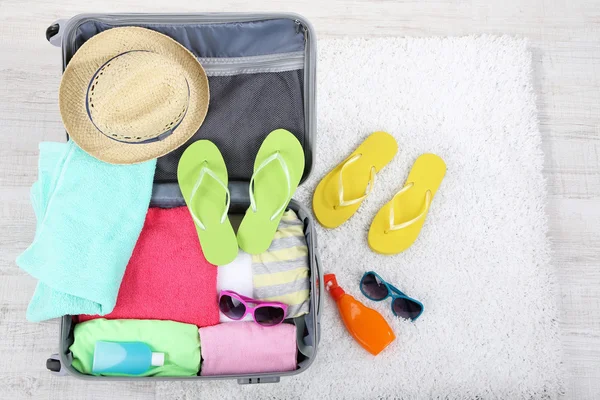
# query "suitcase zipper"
(251, 65)
(300, 27)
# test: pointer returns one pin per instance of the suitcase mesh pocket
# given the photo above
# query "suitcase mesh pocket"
(243, 110)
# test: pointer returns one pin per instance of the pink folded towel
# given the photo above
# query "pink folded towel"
(167, 277)
(246, 348)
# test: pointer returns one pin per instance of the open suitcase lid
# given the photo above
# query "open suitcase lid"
(254, 57)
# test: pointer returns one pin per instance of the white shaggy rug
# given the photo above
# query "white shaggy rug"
(481, 263)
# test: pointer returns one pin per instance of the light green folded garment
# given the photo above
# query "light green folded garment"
(180, 343)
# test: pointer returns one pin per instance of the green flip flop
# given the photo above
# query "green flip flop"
(202, 177)
(278, 168)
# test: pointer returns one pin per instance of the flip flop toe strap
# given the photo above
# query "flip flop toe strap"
(275, 156)
(342, 202)
(203, 172)
(422, 214)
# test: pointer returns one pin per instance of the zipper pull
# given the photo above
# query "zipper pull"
(300, 27)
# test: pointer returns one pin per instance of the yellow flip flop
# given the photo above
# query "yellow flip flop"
(397, 225)
(341, 192)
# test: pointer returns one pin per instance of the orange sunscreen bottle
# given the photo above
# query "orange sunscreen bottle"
(366, 325)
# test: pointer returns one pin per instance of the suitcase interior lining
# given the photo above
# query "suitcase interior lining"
(244, 108)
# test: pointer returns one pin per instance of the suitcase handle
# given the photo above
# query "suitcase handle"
(320, 283)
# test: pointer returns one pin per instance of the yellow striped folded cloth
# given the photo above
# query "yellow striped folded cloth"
(281, 273)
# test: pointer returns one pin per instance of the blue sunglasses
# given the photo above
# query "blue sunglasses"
(375, 288)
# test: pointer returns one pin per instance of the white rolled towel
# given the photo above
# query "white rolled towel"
(236, 276)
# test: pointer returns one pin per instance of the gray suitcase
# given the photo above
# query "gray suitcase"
(261, 71)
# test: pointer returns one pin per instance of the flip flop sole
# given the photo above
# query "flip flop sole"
(257, 229)
(218, 240)
(426, 174)
(377, 151)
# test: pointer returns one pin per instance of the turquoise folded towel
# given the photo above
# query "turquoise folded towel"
(89, 216)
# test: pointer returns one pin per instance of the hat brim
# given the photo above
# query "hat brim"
(90, 57)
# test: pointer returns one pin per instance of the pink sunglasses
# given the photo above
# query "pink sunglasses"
(265, 313)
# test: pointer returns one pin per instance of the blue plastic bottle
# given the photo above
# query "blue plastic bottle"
(131, 358)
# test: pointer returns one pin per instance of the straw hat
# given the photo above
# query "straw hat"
(132, 94)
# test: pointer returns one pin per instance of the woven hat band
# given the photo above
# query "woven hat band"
(137, 97)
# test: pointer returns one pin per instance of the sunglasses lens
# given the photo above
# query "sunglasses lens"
(373, 288)
(232, 307)
(269, 316)
(406, 308)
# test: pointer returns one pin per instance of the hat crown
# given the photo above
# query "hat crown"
(137, 96)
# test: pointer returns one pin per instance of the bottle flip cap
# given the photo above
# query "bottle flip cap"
(332, 287)
(158, 359)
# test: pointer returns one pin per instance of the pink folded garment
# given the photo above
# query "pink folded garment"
(167, 277)
(246, 348)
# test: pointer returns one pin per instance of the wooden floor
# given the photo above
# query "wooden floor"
(565, 40)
